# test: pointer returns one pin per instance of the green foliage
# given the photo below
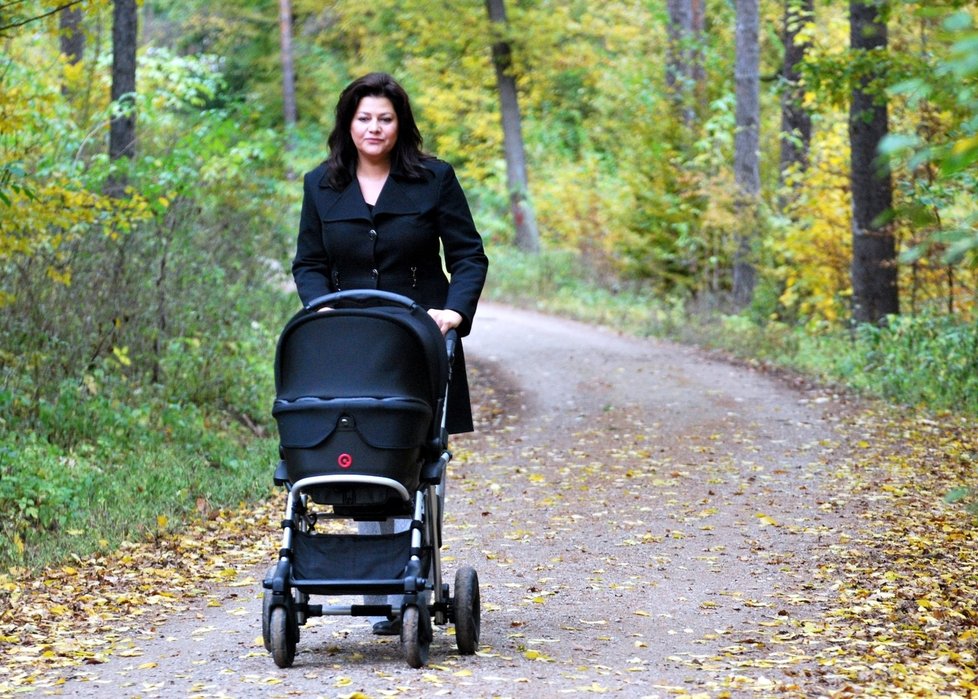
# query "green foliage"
(965, 495)
(561, 282)
(57, 501)
(145, 327)
(926, 360)
(919, 361)
(10, 176)
(946, 152)
(614, 172)
(922, 361)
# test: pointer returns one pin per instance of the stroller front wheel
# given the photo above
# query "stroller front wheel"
(282, 642)
(266, 612)
(416, 635)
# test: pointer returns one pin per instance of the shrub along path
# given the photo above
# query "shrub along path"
(647, 521)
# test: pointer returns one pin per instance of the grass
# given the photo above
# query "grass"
(60, 501)
(67, 505)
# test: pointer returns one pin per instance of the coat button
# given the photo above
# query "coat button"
(373, 235)
(374, 273)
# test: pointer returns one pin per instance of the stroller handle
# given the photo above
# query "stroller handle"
(367, 298)
(363, 298)
(451, 339)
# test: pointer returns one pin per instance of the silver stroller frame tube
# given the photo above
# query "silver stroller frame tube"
(296, 490)
(436, 499)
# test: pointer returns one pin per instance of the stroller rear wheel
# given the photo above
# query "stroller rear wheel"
(281, 638)
(266, 612)
(467, 610)
(416, 635)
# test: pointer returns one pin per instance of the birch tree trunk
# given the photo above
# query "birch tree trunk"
(746, 145)
(874, 271)
(524, 220)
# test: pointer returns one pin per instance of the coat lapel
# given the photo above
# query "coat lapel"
(347, 205)
(395, 198)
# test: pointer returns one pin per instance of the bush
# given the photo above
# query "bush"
(558, 281)
(145, 327)
(921, 360)
(57, 502)
(106, 456)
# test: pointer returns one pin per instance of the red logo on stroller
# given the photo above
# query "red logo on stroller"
(344, 460)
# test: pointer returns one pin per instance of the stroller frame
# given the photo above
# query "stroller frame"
(289, 585)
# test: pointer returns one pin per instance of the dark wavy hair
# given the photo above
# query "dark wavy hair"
(406, 157)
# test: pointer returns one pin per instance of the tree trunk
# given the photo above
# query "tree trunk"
(874, 271)
(288, 78)
(72, 39)
(72, 36)
(746, 145)
(698, 73)
(796, 121)
(527, 237)
(122, 128)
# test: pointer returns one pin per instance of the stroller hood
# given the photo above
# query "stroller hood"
(364, 361)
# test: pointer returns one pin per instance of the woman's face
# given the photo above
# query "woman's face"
(374, 129)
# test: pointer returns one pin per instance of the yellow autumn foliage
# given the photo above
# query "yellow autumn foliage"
(58, 213)
(813, 252)
(47, 206)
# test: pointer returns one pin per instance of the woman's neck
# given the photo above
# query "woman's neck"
(371, 178)
(373, 170)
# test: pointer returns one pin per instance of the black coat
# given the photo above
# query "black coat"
(395, 246)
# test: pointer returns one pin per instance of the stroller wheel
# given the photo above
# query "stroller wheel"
(467, 610)
(416, 635)
(281, 639)
(266, 612)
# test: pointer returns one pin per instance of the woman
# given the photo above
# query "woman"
(376, 212)
(375, 215)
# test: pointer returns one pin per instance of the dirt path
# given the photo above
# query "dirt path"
(642, 519)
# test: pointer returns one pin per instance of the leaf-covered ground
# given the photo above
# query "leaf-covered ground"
(646, 523)
(904, 620)
(86, 611)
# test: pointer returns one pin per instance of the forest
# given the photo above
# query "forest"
(793, 181)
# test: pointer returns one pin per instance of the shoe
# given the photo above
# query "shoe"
(388, 627)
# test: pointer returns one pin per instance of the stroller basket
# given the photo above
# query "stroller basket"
(350, 556)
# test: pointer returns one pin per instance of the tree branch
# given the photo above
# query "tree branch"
(21, 23)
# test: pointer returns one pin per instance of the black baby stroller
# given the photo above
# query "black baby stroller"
(361, 380)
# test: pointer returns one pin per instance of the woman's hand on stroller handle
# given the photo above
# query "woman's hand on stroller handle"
(446, 318)
(318, 304)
